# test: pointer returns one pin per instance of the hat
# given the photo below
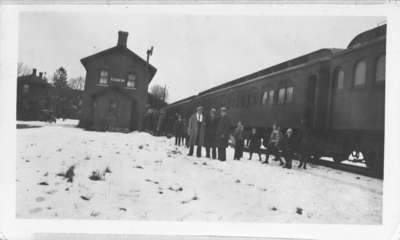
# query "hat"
(223, 109)
(213, 110)
(199, 108)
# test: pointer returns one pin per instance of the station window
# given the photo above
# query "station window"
(25, 88)
(380, 69)
(103, 77)
(360, 73)
(131, 82)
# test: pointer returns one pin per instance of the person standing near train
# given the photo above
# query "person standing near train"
(239, 141)
(305, 143)
(222, 134)
(254, 144)
(289, 146)
(178, 130)
(185, 136)
(273, 144)
(196, 131)
(210, 137)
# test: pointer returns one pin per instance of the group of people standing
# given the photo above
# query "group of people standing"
(214, 133)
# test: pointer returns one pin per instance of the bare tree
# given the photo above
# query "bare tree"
(77, 83)
(23, 69)
(159, 92)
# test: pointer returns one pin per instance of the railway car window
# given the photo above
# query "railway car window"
(271, 97)
(281, 95)
(380, 69)
(360, 73)
(103, 77)
(289, 94)
(265, 98)
(339, 79)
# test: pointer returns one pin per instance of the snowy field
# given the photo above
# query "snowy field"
(142, 177)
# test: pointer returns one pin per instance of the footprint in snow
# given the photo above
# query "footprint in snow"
(86, 198)
(39, 199)
(35, 210)
(194, 198)
(299, 211)
(94, 214)
(51, 192)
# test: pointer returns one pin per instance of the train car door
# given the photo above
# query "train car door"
(310, 100)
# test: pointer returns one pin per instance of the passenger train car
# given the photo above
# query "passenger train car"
(339, 92)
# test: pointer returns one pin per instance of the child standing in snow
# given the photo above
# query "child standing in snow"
(254, 143)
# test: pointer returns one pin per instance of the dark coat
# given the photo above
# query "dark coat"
(223, 130)
(305, 140)
(178, 128)
(254, 142)
(211, 128)
(196, 131)
(289, 144)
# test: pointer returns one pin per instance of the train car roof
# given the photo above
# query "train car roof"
(179, 101)
(324, 52)
(368, 36)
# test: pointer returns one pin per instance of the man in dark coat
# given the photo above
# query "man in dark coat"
(178, 125)
(254, 144)
(305, 144)
(211, 127)
(196, 128)
(289, 144)
(222, 134)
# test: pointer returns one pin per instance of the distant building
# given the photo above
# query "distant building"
(37, 99)
(32, 96)
(116, 85)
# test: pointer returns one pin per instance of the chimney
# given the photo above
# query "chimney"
(40, 75)
(34, 72)
(122, 38)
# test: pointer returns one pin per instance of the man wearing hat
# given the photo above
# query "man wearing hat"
(211, 127)
(222, 134)
(288, 147)
(196, 128)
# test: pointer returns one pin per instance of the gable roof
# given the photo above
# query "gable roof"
(152, 69)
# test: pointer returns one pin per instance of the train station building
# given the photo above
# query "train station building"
(116, 89)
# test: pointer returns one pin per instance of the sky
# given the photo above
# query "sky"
(191, 52)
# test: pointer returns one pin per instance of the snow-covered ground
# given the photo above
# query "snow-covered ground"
(151, 179)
